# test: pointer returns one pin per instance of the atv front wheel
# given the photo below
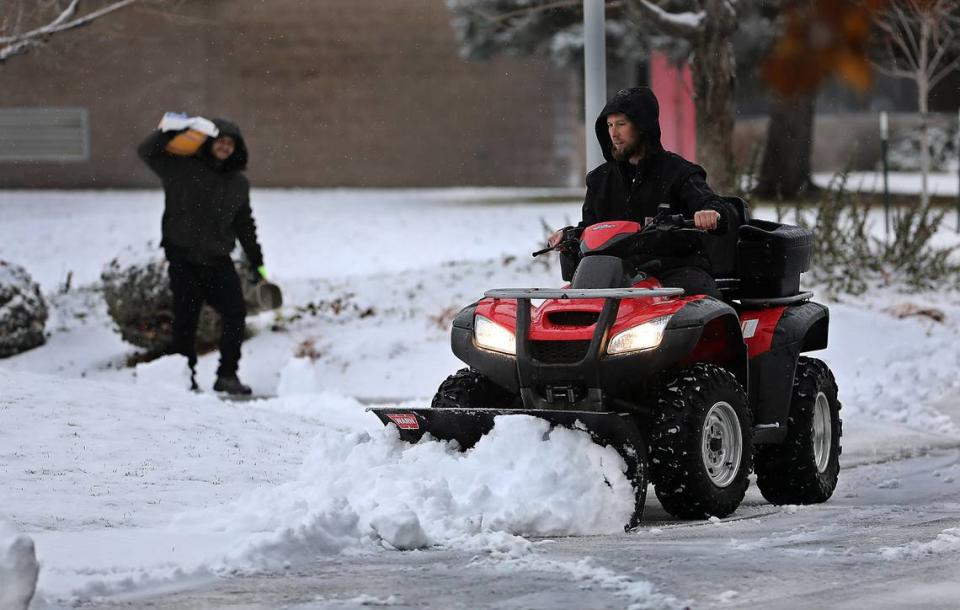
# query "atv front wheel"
(468, 389)
(700, 443)
(804, 468)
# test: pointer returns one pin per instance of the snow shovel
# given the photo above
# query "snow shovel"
(466, 426)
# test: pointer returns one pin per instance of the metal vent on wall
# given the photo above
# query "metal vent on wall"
(44, 134)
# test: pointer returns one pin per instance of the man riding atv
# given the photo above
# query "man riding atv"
(639, 176)
(695, 381)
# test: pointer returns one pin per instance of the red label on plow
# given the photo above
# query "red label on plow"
(404, 421)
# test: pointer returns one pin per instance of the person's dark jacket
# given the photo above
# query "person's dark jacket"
(618, 190)
(207, 201)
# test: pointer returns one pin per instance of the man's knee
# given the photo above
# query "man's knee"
(693, 280)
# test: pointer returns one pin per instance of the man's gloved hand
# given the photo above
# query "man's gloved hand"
(259, 274)
(178, 121)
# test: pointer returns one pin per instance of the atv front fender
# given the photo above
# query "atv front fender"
(719, 339)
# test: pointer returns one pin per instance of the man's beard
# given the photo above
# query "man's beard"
(630, 150)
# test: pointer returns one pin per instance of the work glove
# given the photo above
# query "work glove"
(259, 274)
(178, 121)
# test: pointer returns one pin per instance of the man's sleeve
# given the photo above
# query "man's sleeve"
(693, 194)
(153, 154)
(589, 212)
(246, 230)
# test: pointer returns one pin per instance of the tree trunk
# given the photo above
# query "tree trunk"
(714, 85)
(785, 170)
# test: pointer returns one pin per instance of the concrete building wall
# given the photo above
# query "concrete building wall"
(331, 93)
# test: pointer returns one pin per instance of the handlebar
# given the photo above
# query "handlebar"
(569, 241)
(661, 222)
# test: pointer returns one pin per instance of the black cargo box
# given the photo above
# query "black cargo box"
(770, 258)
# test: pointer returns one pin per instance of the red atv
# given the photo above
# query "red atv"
(691, 390)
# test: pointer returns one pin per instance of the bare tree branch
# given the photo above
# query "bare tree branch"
(66, 14)
(922, 33)
(682, 25)
(947, 69)
(894, 37)
(905, 32)
(18, 43)
(894, 72)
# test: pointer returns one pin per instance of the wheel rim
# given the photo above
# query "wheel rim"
(722, 444)
(822, 432)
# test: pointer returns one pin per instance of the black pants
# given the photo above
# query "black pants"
(219, 286)
(693, 280)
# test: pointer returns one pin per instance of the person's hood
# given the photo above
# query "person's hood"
(237, 162)
(641, 107)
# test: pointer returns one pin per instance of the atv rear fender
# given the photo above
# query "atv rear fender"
(802, 328)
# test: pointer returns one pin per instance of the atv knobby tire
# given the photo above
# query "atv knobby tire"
(700, 443)
(803, 469)
(468, 389)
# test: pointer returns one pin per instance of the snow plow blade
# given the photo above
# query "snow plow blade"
(466, 426)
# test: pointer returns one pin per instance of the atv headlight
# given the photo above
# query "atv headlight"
(490, 335)
(642, 336)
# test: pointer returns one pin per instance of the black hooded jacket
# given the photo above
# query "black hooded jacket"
(618, 190)
(207, 201)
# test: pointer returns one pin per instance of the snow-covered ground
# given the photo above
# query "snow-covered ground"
(130, 486)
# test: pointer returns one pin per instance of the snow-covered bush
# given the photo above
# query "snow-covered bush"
(23, 312)
(847, 258)
(137, 291)
(905, 149)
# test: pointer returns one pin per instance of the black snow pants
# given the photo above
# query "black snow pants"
(693, 280)
(219, 286)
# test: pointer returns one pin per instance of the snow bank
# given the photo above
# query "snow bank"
(298, 376)
(169, 372)
(370, 489)
(947, 542)
(155, 484)
(18, 568)
(892, 370)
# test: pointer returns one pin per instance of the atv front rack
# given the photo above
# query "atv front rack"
(533, 373)
(581, 293)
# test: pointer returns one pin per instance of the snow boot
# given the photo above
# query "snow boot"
(231, 385)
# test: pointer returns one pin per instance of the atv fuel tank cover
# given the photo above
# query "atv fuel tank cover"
(602, 234)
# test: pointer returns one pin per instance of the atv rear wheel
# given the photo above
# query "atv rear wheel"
(700, 443)
(804, 468)
(468, 389)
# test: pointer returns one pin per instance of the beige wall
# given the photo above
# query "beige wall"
(328, 93)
